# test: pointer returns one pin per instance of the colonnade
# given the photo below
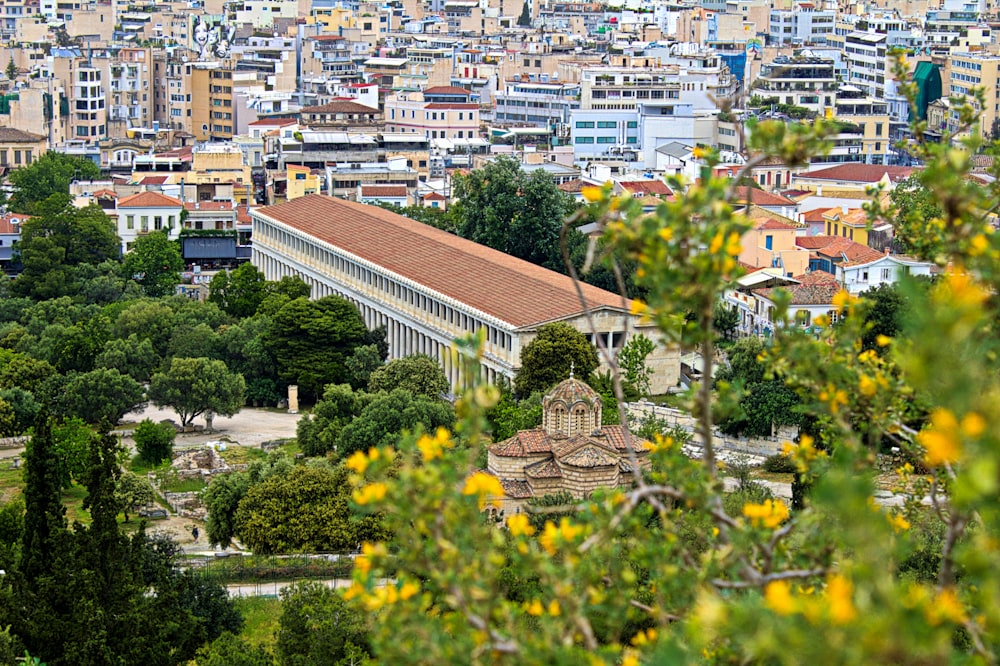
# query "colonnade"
(405, 335)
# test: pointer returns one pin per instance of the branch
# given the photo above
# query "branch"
(761, 580)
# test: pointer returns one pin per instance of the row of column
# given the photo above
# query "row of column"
(403, 340)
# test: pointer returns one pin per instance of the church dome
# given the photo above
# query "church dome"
(571, 408)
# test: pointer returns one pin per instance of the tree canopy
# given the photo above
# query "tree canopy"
(419, 374)
(155, 263)
(548, 359)
(49, 174)
(193, 386)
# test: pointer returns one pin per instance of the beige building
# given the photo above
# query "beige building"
(19, 148)
(980, 69)
(429, 287)
(572, 452)
(770, 243)
(444, 118)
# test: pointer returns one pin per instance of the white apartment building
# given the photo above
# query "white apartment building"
(805, 81)
(803, 24)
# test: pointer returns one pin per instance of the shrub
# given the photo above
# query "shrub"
(779, 464)
(154, 441)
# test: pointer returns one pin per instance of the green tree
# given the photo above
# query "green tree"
(503, 207)
(765, 401)
(132, 356)
(318, 628)
(419, 374)
(548, 359)
(133, 492)
(240, 292)
(317, 433)
(725, 320)
(72, 439)
(26, 373)
(224, 493)
(151, 320)
(312, 341)
(8, 420)
(193, 386)
(913, 206)
(231, 650)
(306, 509)
(245, 349)
(154, 441)
(632, 361)
(50, 174)
(25, 407)
(101, 395)
(11, 528)
(11, 70)
(524, 20)
(364, 360)
(510, 415)
(389, 414)
(155, 263)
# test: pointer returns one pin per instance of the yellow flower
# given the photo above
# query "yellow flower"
(699, 152)
(373, 492)
(358, 462)
(518, 525)
(355, 590)
(973, 425)
(941, 439)
(733, 247)
(592, 193)
(486, 486)
(959, 289)
(638, 307)
(946, 607)
(716, 243)
(978, 245)
(554, 609)
(898, 522)
(867, 386)
(666, 233)
(778, 597)
(408, 590)
(838, 593)
(644, 637)
(770, 514)
(362, 565)
(433, 447)
(535, 608)
(883, 340)
(552, 535)
(630, 659)
(841, 299)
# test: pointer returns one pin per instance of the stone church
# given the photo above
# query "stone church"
(571, 452)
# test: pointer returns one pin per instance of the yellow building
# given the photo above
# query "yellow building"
(18, 148)
(211, 90)
(302, 181)
(851, 224)
(221, 163)
(966, 71)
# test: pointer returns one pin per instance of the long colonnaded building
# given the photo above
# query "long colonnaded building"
(429, 287)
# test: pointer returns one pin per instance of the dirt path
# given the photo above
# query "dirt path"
(249, 427)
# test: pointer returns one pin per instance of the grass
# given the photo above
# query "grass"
(170, 483)
(261, 616)
(143, 467)
(11, 481)
(72, 499)
(241, 455)
(779, 477)
(673, 400)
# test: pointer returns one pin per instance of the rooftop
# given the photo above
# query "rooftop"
(149, 200)
(512, 290)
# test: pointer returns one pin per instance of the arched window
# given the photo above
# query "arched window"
(579, 419)
(559, 419)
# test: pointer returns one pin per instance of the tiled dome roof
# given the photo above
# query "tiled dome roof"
(571, 391)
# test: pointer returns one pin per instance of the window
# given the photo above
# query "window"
(585, 139)
(605, 139)
(17, 157)
(886, 274)
(769, 242)
(864, 276)
(582, 124)
(607, 124)
(130, 222)
(632, 124)
(632, 139)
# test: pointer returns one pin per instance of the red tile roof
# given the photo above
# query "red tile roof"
(652, 187)
(383, 190)
(816, 288)
(815, 215)
(838, 248)
(341, 106)
(7, 225)
(273, 122)
(326, 38)
(761, 197)
(858, 173)
(512, 290)
(572, 186)
(434, 196)
(106, 193)
(153, 180)
(446, 90)
(149, 200)
(770, 224)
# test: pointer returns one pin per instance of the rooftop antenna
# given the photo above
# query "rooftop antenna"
(571, 364)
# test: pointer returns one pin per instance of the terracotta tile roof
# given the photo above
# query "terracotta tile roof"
(838, 248)
(243, 214)
(149, 200)
(326, 38)
(512, 290)
(340, 106)
(761, 197)
(14, 135)
(858, 173)
(7, 225)
(525, 443)
(616, 438)
(572, 186)
(813, 242)
(855, 217)
(383, 190)
(544, 469)
(515, 489)
(450, 106)
(589, 456)
(434, 196)
(653, 187)
(770, 224)
(106, 193)
(816, 288)
(153, 180)
(815, 215)
(446, 90)
(273, 122)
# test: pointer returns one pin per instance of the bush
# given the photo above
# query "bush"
(154, 441)
(779, 464)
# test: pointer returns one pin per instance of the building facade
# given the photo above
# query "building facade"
(429, 287)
